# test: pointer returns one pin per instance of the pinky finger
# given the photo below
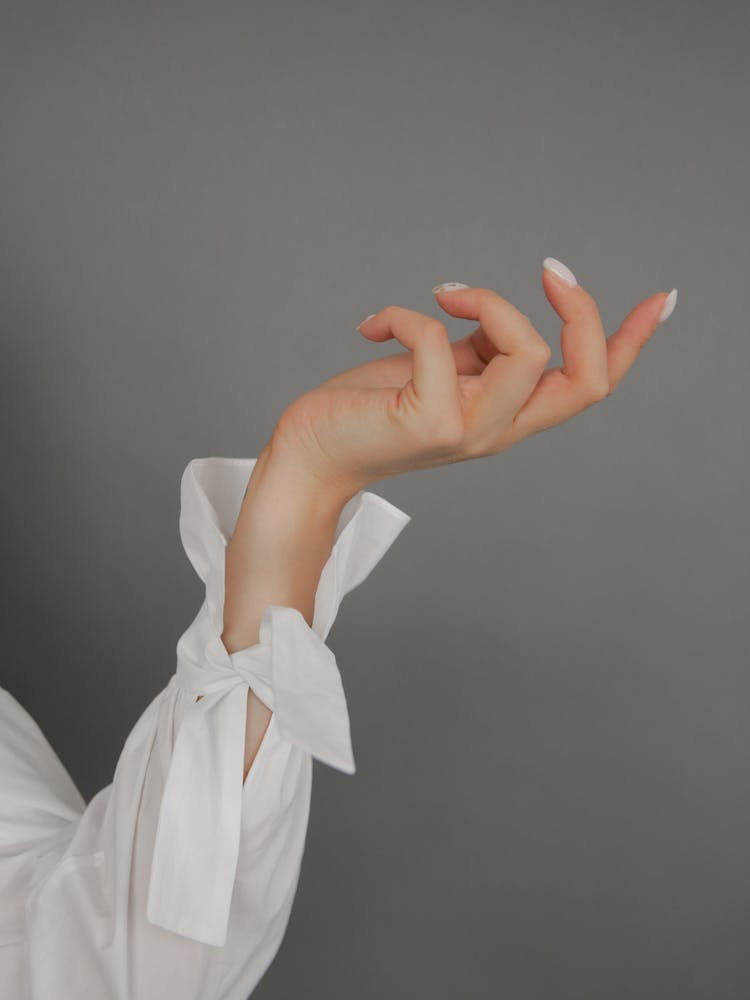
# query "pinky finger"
(555, 399)
(626, 343)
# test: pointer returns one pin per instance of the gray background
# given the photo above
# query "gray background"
(547, 674)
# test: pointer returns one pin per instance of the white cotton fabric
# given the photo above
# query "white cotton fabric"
(178, 879)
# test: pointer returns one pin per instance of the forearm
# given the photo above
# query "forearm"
(282, 539)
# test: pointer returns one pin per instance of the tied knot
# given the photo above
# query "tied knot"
(295, 674)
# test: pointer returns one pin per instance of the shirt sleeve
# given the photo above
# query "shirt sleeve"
(179, 878)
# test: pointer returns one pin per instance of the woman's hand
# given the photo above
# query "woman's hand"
(440, 402)
(434, 403)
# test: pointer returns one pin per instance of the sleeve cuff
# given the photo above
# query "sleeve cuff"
(291, 669)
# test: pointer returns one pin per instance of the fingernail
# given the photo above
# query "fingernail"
(449, 286)
(668, 308)
(557, 267)
(359, 325)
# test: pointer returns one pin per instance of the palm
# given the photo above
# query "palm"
(472, 353)
(352, 414)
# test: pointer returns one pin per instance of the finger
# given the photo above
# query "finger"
(626, 343)
(434, 375)
(502, 328)
(582, 338)
(515, 354)
(553, 401)
(392, 371)
(395, 370)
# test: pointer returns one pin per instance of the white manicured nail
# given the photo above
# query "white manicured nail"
(359, 325)
(668, 308)
(449, 286)
(557, 267)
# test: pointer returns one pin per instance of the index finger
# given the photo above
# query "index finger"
(434, 377)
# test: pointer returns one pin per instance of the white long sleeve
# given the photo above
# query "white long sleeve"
(178, 878)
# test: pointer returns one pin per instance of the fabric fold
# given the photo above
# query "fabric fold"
(291, 669)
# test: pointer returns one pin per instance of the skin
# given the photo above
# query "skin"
(434, 403)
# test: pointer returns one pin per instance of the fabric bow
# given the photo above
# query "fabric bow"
(290, 668)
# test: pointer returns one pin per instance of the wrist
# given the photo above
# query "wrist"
(281, 541)
(282, 511)
(287, 468)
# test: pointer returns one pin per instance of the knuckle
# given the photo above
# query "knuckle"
(481, 446)
(596, 392)
(451, 434)
(442, 433)
(592, 394)
(491, 441)
(538, 353)
(389, 313)
(434, 330)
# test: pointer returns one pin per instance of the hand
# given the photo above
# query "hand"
(440, 402)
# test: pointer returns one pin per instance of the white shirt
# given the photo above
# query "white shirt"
(177, 879)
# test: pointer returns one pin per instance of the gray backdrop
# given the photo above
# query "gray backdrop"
(547, 674)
